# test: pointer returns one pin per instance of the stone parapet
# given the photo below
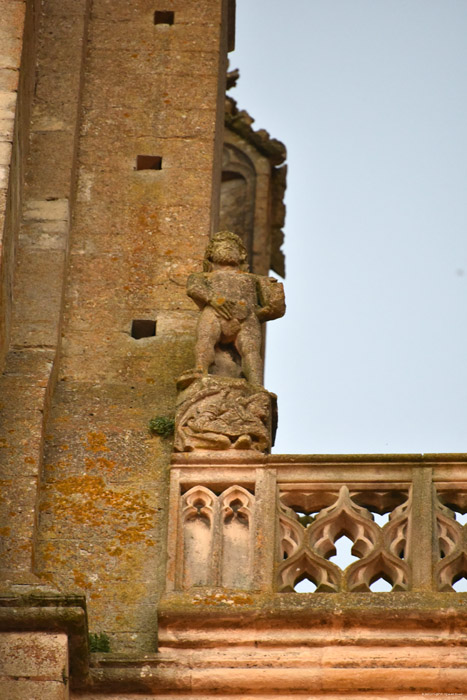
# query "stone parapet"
(283, 514)
(249, 635)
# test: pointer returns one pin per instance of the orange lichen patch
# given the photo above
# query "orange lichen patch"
(29, 460)
(5, 531)
(130, 535)
(59, 464)
(114, 551)
(81, 580)
(100, 463)
(223, 599)
(3, 442)
(47, 577)
(150, 380)
(86, 500)
(64, 447)
(97, 442)
(47, 547)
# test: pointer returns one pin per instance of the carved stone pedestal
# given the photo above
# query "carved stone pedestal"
(224, 413)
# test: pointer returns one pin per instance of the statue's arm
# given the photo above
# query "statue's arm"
(271, 298)
(198, 289)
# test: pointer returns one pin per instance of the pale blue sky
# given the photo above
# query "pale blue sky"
(370, 97)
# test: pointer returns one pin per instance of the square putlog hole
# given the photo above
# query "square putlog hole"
(148, 162)
(164, 17)
(143, 328)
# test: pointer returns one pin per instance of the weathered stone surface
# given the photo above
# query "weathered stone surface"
(252, 190)
(14, 101)
(33, 690)
(233, 303)
(101, 466)
(221, 413)
(34, 655)
(34, 296)
(222, 405)
(33, 665)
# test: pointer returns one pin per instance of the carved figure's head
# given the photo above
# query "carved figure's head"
(226, 248)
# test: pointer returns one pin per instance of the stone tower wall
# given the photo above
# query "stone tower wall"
(105, 241)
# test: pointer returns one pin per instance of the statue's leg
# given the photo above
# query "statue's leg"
(248, 344)
(208, 334)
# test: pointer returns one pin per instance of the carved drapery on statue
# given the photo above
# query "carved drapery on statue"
(222, 404)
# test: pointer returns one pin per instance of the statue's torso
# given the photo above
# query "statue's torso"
(236, 287)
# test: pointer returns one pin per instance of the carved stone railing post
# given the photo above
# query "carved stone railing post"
(421, 552)
(265, 534)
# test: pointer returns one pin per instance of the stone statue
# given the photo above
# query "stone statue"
(233, 305)
(222, 404)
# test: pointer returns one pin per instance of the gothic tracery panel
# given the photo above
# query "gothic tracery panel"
(451, 568)
(217, 537)
(236, 546)
(197, 518)
(312, 522)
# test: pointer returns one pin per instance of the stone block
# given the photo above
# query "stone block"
(9, 78)
(7, 104)
(10, 53)
(66, 8)
(44, 235)
(47, 210)
(98, 508)
(53, 154)
(12, 17)
(5, 153)
(29, 365)
(37, 309)
(17, 517)
(100, 412)
(33, 690)
(33, 654)
(6, 130)
(29, 399)
(4, 176)
(185, 123)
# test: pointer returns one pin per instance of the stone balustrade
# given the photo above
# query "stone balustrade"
(268, 522)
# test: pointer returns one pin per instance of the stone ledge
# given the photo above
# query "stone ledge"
(214, 608)
(232, 643)
(272, 460)
(288, 643)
